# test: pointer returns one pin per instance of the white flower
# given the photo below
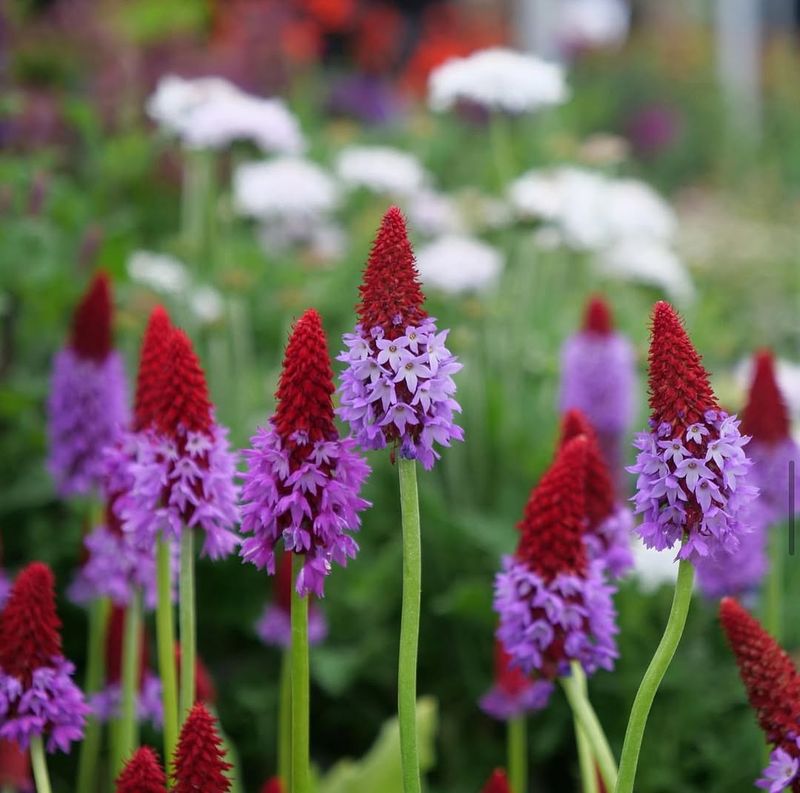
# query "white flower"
(211, 113)
(381, 169)
(592, 23)
(158, 271)
(653, 568)
(633, 208)
(456, 264)
(284, 189)
(498, 79)
(206, 304)
(324, 240)
(650, 262)
(432, 213)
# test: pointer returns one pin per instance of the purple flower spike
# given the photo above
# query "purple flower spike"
(302, 483)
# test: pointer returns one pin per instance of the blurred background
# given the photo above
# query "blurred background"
(692, 107)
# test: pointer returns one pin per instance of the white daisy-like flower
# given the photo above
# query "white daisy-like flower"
(652, 569)
(457, 263)
(633, 208)
(432, 213)
(211, 113)
(286, 189)
(498, 79)
(207, 304)
(592, 23)
(381, 169)
(158, 271)
(650, 262)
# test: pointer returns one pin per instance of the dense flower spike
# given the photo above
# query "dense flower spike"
(397, 387)
(766, 419)
(183, 471)
(302, 481)
(598, 378)
(692, 468)
(37, 695)
(513, 693)
(15, 768)
(273, 785)
(200, 759)
(609, 528)
(142, 774)
(151, 368)
(773, 688)
(553, 602)
(87, 403)
(497, 782)
(107, 704)
(274, 626)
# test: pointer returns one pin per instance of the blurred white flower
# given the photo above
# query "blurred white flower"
(548, 238)
(206, 304)
(381, 169)
(650, 262)
(456, 263)
(432, 213)
(498, 79)
(158, 271)
(652, 568)
(284, 189)
(324, 240)
(211, 113)
(633, 208)
(592, 23)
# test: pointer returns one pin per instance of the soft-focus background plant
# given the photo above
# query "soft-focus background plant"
(87, 179)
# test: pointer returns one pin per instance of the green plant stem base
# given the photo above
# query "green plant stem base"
(517, 736)
(301, 773)
(165, 639)
(188, 628)
(39, 764)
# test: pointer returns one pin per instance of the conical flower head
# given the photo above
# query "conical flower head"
(691, 463)
(765, 416)
(304, 414)
(497, 782)
(142, 774)
(152, 367)
(391, 296)
(597, 316)
(91, 323)
(29, 625)
(200, 758)
(773, 689)
(273, 785)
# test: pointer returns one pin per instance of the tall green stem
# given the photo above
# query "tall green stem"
(165, 638)
(575, 688)
(301, 776)
(653, 677)
(409, 625)
(517, 737)
(500, 144)
(188, 626)
(95, 674)
(39, 764)
(773, 596)
(586, 762)
(126, 736)
(285, 722)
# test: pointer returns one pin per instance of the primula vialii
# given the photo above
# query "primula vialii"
(200, 758)
(142, 774)
(497, 783)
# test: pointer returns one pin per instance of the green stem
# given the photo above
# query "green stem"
(409, 625)
(127, 737)
(575, 688)
(500, 144)
(95, 674)
(285, 723)
(39, 764)
(188, 627)
(773, 597)
(517, 736)
(585, 755)
(165, 639)
(301, 776)
(653, 677)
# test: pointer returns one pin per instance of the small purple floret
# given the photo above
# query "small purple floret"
(503, 705)
(780, 773)
(274, 626)
(107, 704)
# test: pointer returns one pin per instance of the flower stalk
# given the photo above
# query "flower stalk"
(586, 763)
(165, 638)
(285, 722)
(301, 777)
(188, 625)
(517, 737)
(39, 764)
(126, 734)
(653, 676)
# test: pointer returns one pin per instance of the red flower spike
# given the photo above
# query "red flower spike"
(115, 633)
(15, 767)
(200, 759)
(142, 774)
(765, 416)
(273, 785)
(391, 297)
(184, 398)
(599, 484)
(679, 388)
(91, 323)
(554, 521)
(306, 385)
(497, 782)
(768, 674)
(597, 317)
(511, 679)
(29, 625)
(152, 367)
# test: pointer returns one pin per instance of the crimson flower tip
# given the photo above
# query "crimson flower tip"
(152, 367)
(91, 324)
(497, 783)
(142, 774)
(765, 416)
(200, 757)
(597, 317)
